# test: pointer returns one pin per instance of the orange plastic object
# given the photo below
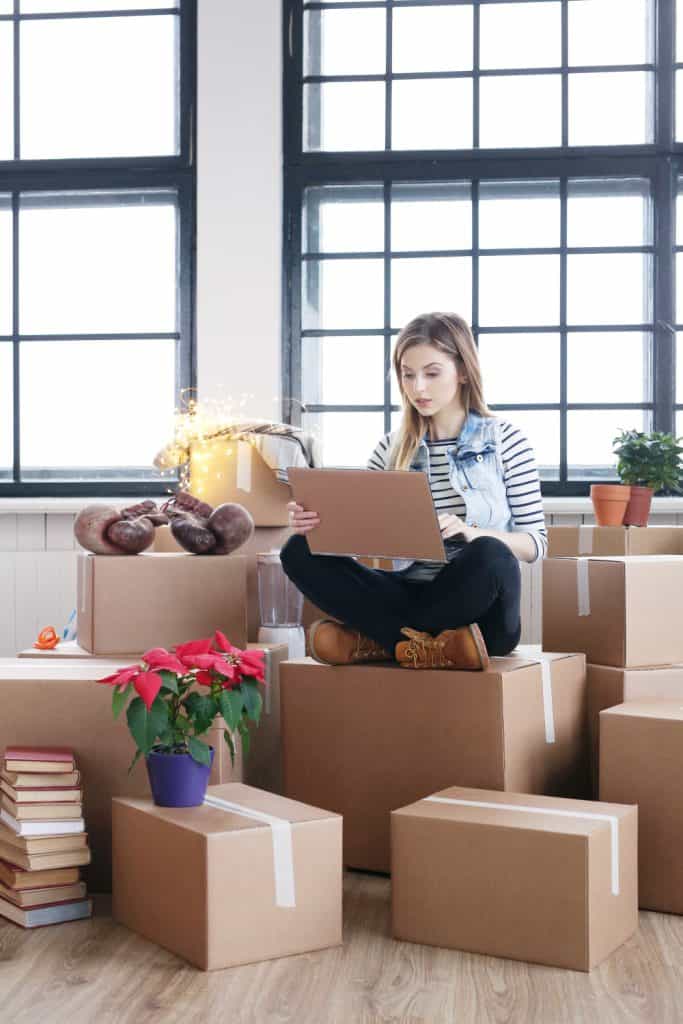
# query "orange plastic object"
(47, 639)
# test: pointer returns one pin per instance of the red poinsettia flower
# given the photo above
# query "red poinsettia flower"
(161, 659)
(146, 684)
(236, 663)
(188, 653)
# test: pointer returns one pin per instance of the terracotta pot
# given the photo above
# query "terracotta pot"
(609, 503)
(638, 508)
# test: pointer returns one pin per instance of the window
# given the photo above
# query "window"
(430, 164)
(96, 225)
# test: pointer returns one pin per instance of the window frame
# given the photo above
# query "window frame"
(661, 162)
(139, 174)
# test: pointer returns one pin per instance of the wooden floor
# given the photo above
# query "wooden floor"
(97, 972)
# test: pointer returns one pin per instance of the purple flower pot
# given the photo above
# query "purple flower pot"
(177, 780)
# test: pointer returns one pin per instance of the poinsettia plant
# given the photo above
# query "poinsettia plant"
(174, 696)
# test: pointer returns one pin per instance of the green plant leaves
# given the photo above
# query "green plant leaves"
(119, 698)
(169, 680)
(199, 751)
(227, 736)
(253, 702)
(146, 726)
(201, 709)
(649, 460)
(231, 704)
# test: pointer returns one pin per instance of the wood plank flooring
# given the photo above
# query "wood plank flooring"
(97, 972)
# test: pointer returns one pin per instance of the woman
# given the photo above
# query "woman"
(485, 486)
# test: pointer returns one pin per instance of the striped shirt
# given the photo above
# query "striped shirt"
(522, 487)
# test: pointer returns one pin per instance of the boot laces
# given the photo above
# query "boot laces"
(367, 648)
(423, 649)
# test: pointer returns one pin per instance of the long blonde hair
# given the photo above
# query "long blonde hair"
(452, 335)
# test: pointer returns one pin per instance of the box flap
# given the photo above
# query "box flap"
(669, 710)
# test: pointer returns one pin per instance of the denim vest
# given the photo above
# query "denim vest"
(476, 472)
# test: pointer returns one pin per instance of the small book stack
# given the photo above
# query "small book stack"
(43, 841)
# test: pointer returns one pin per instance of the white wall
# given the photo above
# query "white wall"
(239, 203)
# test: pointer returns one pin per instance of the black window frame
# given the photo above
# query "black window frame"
(661, 162)
(134, 174)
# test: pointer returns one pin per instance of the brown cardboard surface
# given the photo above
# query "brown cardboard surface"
(641, 762)
(201, 852)
(59, 703)
(159, 600)
(620, 629)
(514, 883)
(263, 766)
(363, 740)
(338, 493)
(575, 541)
(223, 470)
(264, 538)
(609, 686)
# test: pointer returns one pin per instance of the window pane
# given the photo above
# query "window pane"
(339, 294)
(432, 39)
(346, 438)
(610, 32)
(340, 218)
(91, 265)
(610, 109)
(679, 368)
(679, 287)
(105, 404)
(344, 116)
(542, 429)
(679, 30)
(520, 111)
(343, 371)
(608, 367)
(75, 101)
(6, 6)
(438, 283)
(609, 213)
(5, 265)
(520, 367)
(590, 434)
(432, 114)
(519, 291)
(345, 42)
(535, 28)
(62, 6)
(679, 105)
(610, 288)
(6, 412)
(519, 214)
(431, 216)
(6, 92)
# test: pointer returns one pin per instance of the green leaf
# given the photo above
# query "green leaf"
(169, 680)
(119, 698)
(146, 725)
(246, 737)
(227, 736)
(231, 703)
(253, 702)
(138, 755)
(199, 751)
(201, 709)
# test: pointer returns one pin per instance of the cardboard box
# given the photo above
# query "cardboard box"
(575, 541)
(641, 762)
(603, 607)
(363, 740)
(58, 703)
(608, 686)
(263, 766)
(525, 877)
(224, 470)
(158, 600)
(201, 881)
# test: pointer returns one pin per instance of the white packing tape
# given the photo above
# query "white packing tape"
(283, 854)
(611, 819)
(585, 540)
(243, 472)
(547, 690)
(583, 596)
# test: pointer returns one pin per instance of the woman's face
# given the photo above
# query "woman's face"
(429, 378)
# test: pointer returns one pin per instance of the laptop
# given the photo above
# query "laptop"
(370, 513)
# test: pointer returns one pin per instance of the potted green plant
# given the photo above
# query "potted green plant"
(173, 698)
(647, 462)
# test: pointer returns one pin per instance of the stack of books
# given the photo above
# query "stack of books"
(43, 842)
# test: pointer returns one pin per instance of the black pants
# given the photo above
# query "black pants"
(481, 584)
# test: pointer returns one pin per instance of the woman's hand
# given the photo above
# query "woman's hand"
(451, 525)
(300, 520)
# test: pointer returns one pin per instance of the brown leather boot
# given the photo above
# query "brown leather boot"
(332, 643)
(462, 648)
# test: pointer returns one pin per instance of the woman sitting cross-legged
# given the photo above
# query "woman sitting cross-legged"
(485, 487)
